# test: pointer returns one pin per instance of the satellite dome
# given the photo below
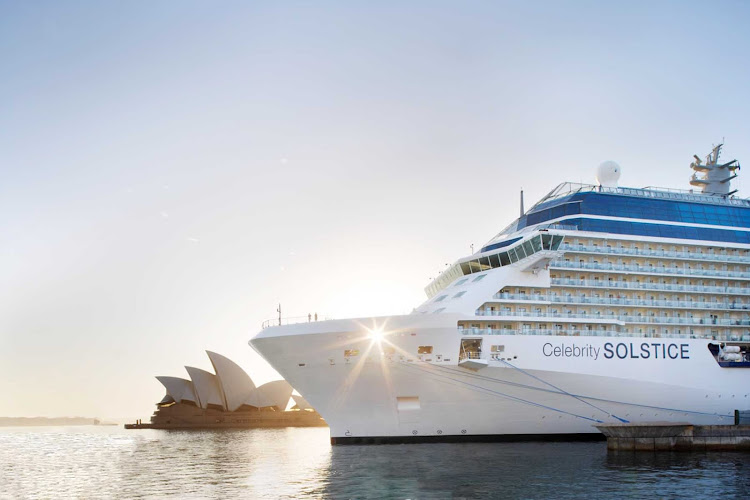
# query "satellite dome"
(608, 173)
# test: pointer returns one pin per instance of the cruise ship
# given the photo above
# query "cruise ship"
(600, 304)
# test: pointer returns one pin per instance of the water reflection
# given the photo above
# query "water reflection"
(109, 462)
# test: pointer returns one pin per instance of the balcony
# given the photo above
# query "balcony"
(600, 333)
(638, 269)
(624, 318)
(621, 302)
(666, 287)
(664, 254)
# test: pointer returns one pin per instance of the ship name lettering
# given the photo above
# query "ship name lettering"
(571, 351)
(653, 350)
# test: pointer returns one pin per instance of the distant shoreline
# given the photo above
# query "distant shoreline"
(48, 421)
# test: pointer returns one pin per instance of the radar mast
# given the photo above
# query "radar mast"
(715, 177)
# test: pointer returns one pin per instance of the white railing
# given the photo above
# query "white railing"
(579, 300)
(649, 269)
(632, 285)
(640, 252)
(469, 355)
(626, 318)
(648, 192)
(292, 320)
(601, 333)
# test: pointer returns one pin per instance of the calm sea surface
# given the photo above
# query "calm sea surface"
(110, 462)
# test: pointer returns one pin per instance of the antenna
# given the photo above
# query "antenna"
(278, 310)
(522, 211)
(713, 177)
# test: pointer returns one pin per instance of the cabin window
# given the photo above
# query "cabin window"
(424, 349)
(351, 352)
(407, 403)
(497, 348)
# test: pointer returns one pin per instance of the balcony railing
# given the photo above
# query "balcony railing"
(469, 355)
(667, 287)
(625, 318)
(579, 300)
(635, 268)
(732, 337)
(667, 254)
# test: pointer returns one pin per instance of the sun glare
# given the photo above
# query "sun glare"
(376, 335)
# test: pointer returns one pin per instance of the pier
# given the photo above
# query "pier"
(670, 436)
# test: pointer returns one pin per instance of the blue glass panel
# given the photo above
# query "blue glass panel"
(500, 245)
(659, 230)
(637, 208)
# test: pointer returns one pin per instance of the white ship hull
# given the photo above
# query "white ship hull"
(599, 305)
(539, 386)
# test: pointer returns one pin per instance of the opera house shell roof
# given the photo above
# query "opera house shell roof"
(229, 389)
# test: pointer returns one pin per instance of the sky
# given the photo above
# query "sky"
(172, 171)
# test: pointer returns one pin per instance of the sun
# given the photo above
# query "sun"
(376, 335)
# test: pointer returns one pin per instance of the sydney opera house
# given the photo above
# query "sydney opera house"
(226, 399)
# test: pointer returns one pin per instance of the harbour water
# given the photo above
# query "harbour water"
(110, 462)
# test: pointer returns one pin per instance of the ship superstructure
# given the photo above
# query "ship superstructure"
(600, 303)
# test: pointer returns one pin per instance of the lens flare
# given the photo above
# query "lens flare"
(376, 335)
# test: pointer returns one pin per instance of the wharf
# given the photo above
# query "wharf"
(184, 416)
(671, 436)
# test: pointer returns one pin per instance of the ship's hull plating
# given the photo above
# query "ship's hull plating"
(524, 387)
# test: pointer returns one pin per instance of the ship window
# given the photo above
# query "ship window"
(528, 248)
(546, 241)
(556, 241)
(439, 310)
(478, 278)
(513, 256)
(461, 282)
(536, 243)
(459, 294)
(495, 261)
(520, 252)
(424, 349)
(351, 352)
(504, 259)
(439, 299)
(497, 348)
(407, 403)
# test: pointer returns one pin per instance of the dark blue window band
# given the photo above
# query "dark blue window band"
(613, 205)
(659, 230)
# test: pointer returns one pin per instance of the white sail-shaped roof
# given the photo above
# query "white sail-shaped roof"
(236, 384)
(301, 402)
(276, 393)
(179, 389)
(207, 387)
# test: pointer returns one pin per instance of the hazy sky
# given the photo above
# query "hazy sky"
(170, 171)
